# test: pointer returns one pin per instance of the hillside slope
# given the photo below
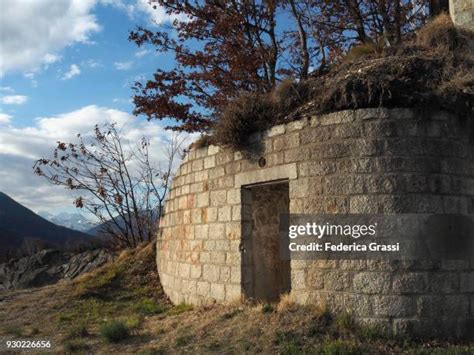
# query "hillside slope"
(121, 308)
(18, 222)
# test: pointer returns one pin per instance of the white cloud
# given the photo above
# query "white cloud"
(142, 8)
(157, 14)
(123, 65)
(6, 89)
(13, 99)
(5, 118)
(19, 147)
(34, 32)
(74, 70)
(142, 53)
(91, 63)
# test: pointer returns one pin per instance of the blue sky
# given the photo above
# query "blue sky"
(66, 65)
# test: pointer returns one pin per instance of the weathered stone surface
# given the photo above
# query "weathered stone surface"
(358, 161)
(49, 266)
(372, 282)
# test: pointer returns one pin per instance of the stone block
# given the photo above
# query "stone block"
(296, 125)
(213, 149)
(408, 283)
(372, 282)
(224, 157)
(202, 199)
(233, 258)
(217, 291)
(337, 118)
(233, 230)
(236, 213)
(337, 281)
(394, 306)
(210, 272)
(314, 278)
(235, 274)
(222, 245)
(218, 198)
(286, 142)
(216, 172)
(358, 305)
(371, 113)
(451, 305)
(233, 293)
(275, 131)
(198, 165)
(444, 282)
(224, 214)
(287, 171)
(467, 282)
(233, 168)
(209, 162)
(217, 231)
(224, 274)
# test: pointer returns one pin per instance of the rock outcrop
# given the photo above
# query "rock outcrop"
(48, 267)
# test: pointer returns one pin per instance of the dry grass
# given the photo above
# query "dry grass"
(203, 141)
(126, 316)
(286, 304)
(361, 51)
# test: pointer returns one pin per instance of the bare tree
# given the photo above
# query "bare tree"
(119, 184)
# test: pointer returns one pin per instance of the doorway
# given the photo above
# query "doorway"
(265, 275)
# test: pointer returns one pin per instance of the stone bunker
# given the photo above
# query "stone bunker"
(224, 207)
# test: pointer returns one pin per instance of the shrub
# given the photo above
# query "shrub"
(114, 331)
(252, 112)
(288, 95)
(245, 115)
(78, 331)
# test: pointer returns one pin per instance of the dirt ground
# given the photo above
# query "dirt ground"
(73, 315)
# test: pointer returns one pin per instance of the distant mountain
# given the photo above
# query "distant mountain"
(74, 221)
(99, 229)
(18, 223)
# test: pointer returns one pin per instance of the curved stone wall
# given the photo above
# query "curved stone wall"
(355, 161)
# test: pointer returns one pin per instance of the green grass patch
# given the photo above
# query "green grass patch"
(133, 322)
(93, 310)
(289, 342)
(115, 331)
(14, 330)
(345, 322)
(103, 278)
(267, 308)
(148, 306)
(180, 308)
(341, 347)
(78, 331)
(184, 340)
